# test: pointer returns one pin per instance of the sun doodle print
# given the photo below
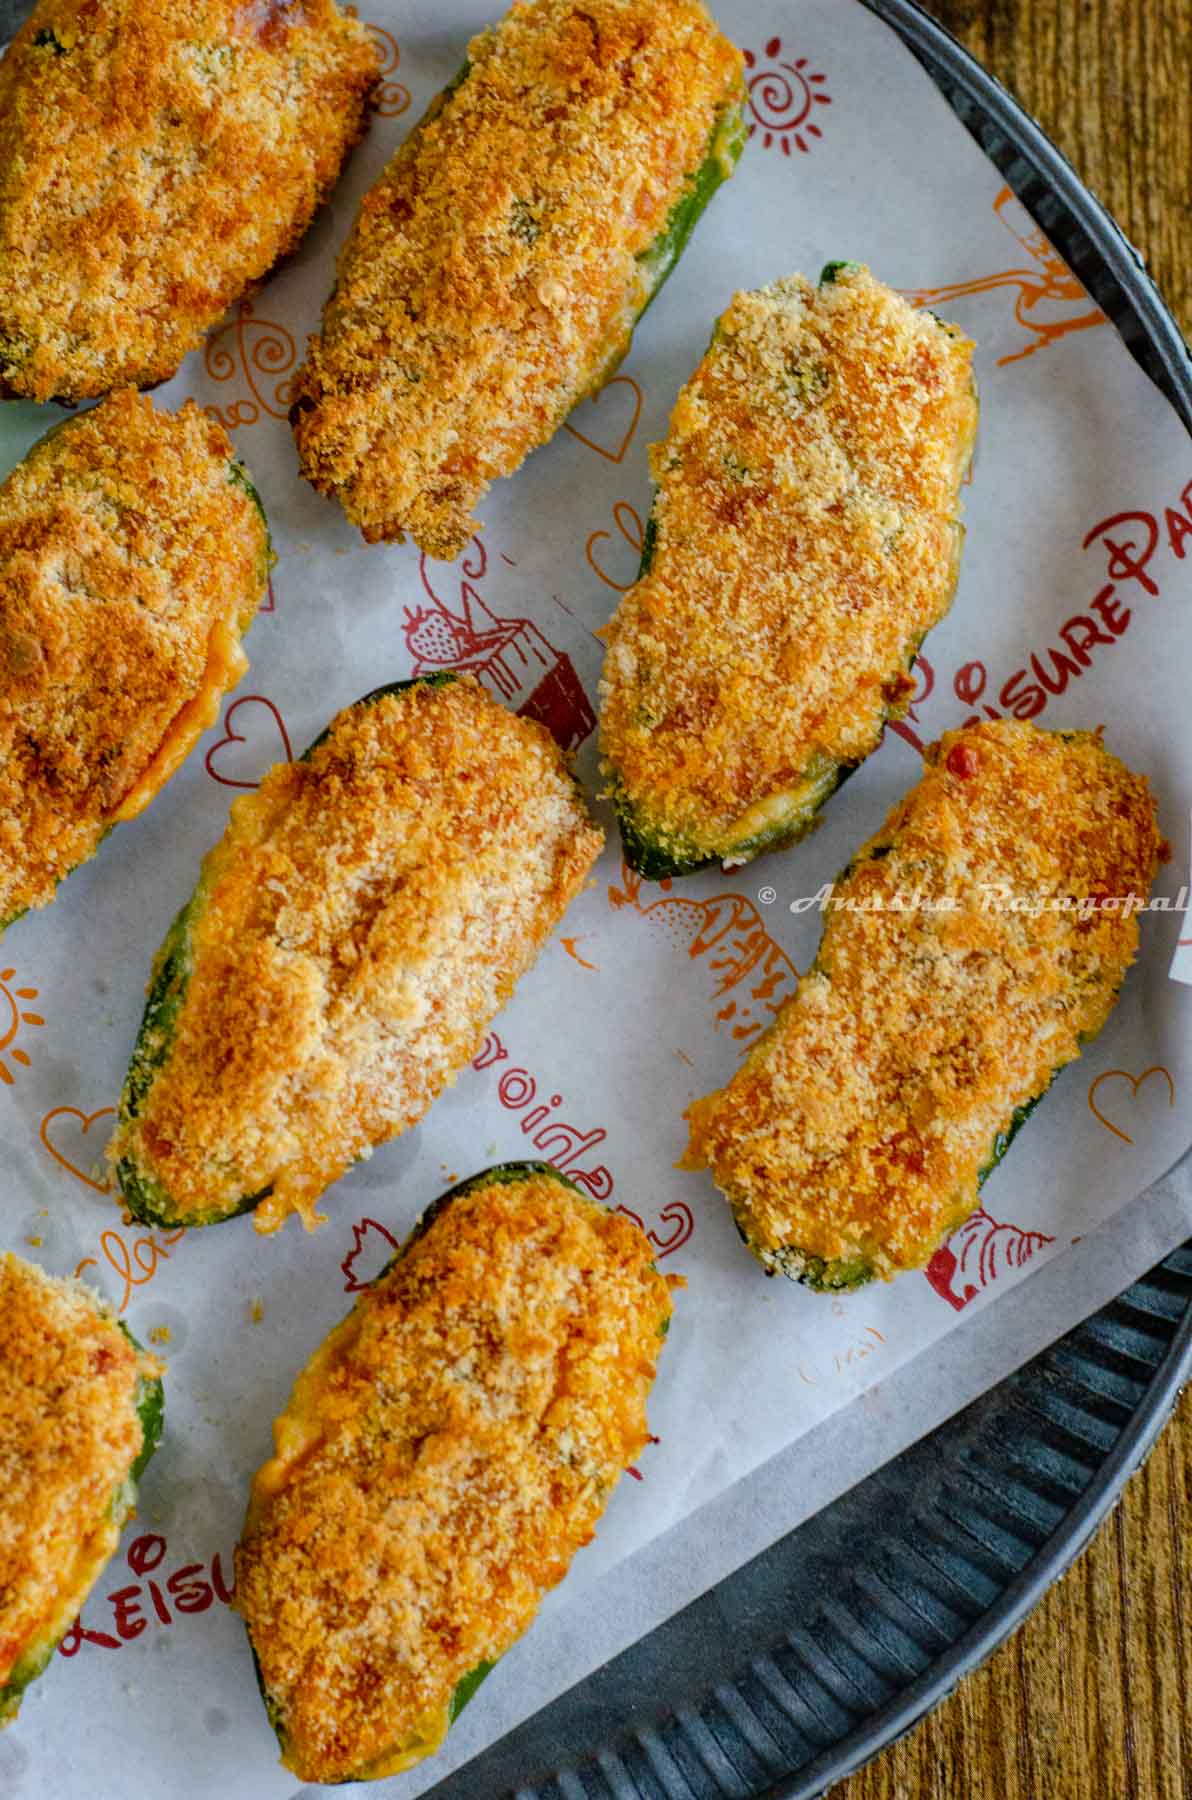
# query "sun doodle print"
(12, 1017)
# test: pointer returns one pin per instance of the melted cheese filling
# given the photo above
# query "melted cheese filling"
(442, 1457)
(805, 536)
(225, 666)
(861, 1124)
(298, 1431)
(93, 1556)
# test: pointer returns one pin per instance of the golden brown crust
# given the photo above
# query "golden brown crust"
(858, 1126)
(69, 1435)
(805, 538)
(130, 562)
(366, 914)
(157, 157)
(491, 278)
(437, 1472)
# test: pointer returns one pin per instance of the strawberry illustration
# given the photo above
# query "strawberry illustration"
(432, 637)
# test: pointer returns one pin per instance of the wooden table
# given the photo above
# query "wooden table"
(1092, 1700)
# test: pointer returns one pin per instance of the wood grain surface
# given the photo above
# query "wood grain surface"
(1092, 1699)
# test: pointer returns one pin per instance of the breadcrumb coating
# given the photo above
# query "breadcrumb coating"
(69, 1437)
(133, 554)
(157, 158)
(496, 269)
(804, 538)
(442, 1458)
(858, 1129)
(368, 911)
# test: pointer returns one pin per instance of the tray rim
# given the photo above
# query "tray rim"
(1128, 267)
(1151, 327)
(958, 75)
(948, 62)
(1125, 262)
(884, 1727)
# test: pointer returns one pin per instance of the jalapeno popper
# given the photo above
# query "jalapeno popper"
(497, 268)
(367, 912)
(971, 947)
(133, 555)
(804, 538)
(157, 157)
(80, 1416)
(444, 1454)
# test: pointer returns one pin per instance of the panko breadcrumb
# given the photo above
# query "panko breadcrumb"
(368, 911)
(157, 158)
(497, 268)
(133, 555)
(442, 1458)
(804, 538)
(973, 944)
(71, 1383)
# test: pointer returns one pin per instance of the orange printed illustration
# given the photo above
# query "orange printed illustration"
(512, 658)
(65, 1132)
(13, 1015)
(751, 973)
(627, 561)
(1049, 302)
(257, 353)
(135, 1262)
(868, 1342)
(1134, 1083)
(619, 405)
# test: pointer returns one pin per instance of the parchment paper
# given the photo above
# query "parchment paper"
(1079, 518)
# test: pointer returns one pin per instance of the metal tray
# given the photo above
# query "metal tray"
(763, 1689)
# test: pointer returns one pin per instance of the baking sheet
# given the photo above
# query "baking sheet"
(1080, 510)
